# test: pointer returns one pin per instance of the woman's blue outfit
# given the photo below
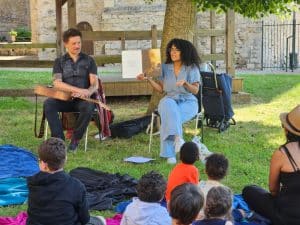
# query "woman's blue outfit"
(178, 106)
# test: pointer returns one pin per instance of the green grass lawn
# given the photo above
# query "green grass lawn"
(248, 145)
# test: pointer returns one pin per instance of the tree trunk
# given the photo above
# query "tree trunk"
(179, 22)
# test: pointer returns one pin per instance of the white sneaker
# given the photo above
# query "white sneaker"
(171, 160)
(98, 136)
(178, 143)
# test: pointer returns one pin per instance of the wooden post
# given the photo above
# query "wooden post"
(213, 43)
(72, 13)
(229, 52)
(59, 47)
(123, 41)
(154, 36)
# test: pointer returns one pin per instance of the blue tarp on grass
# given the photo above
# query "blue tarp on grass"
(17, 162)
(13, 191)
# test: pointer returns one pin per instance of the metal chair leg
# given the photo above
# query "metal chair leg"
(151, 131)
(46, 130)
(86, 137)
(199, 117)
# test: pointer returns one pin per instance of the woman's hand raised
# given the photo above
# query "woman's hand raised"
(141, 77)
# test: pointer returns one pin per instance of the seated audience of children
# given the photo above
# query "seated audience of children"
(146, 208)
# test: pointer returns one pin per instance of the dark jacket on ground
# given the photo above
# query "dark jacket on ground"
(56, 199)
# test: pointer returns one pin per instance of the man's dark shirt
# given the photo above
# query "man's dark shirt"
(75, 73)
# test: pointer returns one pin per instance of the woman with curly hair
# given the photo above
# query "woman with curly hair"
(180, 80)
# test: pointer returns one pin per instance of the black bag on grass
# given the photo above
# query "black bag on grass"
(217, 100)
(127, 129)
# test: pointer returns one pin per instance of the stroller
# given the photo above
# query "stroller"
(216, 97)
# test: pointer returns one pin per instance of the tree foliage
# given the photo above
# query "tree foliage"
(248, 8)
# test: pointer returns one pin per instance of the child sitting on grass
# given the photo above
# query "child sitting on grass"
(146, 209)
(217, 208)
(216, 168)
(185, 204)
(185, 171)
(54, 196)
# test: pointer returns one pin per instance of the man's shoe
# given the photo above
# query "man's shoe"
(73, 145)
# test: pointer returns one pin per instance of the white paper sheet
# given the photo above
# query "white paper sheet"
(131, 63)
(138, 159)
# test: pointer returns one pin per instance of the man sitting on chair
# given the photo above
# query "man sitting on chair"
(73, 72)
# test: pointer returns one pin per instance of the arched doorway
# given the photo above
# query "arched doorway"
(87, 46)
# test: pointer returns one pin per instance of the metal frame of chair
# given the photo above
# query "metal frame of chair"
(86, 132)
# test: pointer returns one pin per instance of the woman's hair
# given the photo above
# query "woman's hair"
(188, 53)
(290, 137)
(186, 202)
(189, 153)
(216, 166)
(151, 187)
(53, 152)
(218, 202)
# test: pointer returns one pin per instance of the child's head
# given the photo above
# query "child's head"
(189, 153)
(52, 155)
(216, 166)
(185, 204)
(218, 202)
(151, 187)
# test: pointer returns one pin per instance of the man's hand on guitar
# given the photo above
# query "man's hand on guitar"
(84, 93)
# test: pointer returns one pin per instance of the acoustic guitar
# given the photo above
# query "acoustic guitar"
(63, 95)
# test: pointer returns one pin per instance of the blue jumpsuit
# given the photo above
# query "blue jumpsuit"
(178, 106)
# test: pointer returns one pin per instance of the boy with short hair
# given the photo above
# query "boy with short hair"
(146, 208)
(185, 203)
(185, 171)
(54, 196)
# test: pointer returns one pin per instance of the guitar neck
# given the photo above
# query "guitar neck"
(96, 102)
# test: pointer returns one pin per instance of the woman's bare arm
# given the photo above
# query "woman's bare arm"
(158, 86)
(275, 168)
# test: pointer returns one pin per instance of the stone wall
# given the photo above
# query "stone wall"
(131, 15)
(13, 14)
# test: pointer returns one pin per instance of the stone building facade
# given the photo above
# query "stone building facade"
(13, 14)
(113, 15)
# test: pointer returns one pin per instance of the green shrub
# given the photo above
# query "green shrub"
(23, 34)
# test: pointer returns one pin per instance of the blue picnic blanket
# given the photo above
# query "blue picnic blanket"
(17, 162)
(13, 191)
(239, 203)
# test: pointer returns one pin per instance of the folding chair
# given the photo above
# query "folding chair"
(198, 118)
(94, 117)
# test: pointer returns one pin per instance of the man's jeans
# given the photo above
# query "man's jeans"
(53, 106)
